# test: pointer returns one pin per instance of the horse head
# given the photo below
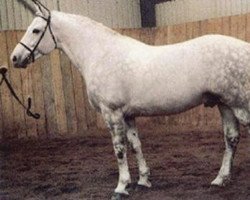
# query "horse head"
(38, 39)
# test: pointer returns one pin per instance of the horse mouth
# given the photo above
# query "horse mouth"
(24, 63)
(20, 65)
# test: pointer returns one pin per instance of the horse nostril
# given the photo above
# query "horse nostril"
(14, 59)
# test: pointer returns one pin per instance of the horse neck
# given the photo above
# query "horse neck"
(82, 39)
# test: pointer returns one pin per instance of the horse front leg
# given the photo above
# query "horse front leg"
(117, 126)
(231, 137)
(133, 138)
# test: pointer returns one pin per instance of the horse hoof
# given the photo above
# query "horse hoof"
(131, 186)
(141, 188)
(119, 196)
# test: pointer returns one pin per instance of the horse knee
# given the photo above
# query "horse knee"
(119, 144)
(115, 123)
(120, 150)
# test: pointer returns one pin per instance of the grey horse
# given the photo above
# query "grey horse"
(126, 78)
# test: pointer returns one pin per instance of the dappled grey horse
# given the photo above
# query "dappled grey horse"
(126, 78)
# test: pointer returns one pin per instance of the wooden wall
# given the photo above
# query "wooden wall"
(59, 94)
(112, 13)
(182, 11)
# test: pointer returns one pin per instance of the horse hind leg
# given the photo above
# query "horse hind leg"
(133, 138)
(231, 138)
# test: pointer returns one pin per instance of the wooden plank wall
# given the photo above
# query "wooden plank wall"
(59, 94)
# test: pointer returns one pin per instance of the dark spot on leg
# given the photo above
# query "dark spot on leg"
(134, 134)
(120, 155)
(133, 151)
(233, 141)
(123, 141)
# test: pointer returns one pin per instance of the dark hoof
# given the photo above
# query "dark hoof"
(141, 188)
(131, 186)
(119, 196)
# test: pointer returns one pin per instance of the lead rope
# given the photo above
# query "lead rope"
(3, 71)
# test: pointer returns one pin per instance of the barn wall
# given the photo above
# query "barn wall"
(59, 94)
(112, 13)
(182, 11)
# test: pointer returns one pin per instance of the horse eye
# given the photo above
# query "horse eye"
(36, 31)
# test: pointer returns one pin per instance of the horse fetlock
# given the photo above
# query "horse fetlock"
(143, 179)
(127, 181)
(124, 179)
(122, 185)
(145, 172)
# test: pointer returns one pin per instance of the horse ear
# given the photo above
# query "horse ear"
(41, 9)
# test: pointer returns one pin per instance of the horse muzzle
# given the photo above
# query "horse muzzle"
(18, 63)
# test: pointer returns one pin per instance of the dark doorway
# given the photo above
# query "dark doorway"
(148, 12)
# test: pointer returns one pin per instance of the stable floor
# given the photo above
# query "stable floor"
(182, 167)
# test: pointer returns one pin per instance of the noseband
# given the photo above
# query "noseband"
(32, 51)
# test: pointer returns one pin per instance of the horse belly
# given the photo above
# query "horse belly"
(164, 104)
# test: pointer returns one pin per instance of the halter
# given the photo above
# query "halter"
(32, 51)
